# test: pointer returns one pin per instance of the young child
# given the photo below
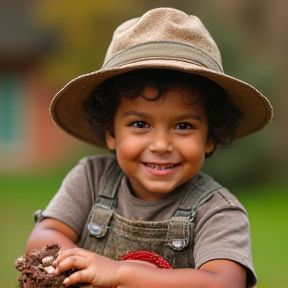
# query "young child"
(162, 103)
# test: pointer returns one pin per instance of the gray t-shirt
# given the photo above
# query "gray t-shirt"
(221, 224)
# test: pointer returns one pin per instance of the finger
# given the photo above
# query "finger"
(82, 276)
(73, 251)
(63, 254)
(72, 262)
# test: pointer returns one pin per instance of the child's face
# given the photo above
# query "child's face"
(160, 144)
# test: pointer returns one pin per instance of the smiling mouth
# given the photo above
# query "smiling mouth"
(159, 166)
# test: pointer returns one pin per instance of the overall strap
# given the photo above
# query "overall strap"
(102, 211)
(200, 189)
(109, 188)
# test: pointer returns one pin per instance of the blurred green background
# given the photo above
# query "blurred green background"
(44, 44)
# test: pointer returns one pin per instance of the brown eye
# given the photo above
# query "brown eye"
(184, 126)
(139, 124)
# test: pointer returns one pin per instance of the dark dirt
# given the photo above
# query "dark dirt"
(37, 269)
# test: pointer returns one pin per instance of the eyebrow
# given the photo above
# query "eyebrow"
(188, 116)
(136, 113)
(147, 115)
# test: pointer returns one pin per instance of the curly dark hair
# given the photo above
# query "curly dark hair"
(100, 108)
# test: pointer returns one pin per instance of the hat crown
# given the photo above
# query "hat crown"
(164, 25)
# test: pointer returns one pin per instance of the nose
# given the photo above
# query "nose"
(161, 142)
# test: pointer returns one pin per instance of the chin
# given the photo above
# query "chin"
(160, 190)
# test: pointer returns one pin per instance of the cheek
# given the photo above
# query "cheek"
(128, 156)
(127, 148)
(193, 148)
(195, 155)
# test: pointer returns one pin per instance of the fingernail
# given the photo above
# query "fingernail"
(66, 281)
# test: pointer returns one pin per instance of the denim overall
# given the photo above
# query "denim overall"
(113, 236)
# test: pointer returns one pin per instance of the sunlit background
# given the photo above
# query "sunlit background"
(44, 44)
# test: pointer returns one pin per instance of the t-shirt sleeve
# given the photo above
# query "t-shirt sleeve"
(72, 203)
(223, 232)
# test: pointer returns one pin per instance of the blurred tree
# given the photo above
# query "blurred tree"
(82, 32)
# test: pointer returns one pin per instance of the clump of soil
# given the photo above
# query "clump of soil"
(37, 269)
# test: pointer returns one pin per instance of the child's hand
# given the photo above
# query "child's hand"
(93, 268)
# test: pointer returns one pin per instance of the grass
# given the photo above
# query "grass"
(268, 212)
(267, 207)
(20, 196)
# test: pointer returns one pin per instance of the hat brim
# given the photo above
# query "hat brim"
(67, 106)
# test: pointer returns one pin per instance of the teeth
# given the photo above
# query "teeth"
(160, 167)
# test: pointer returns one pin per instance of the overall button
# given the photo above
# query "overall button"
(94, 229)
(178, 243)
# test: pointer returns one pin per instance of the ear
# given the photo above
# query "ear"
(110, 140)
(209, 146)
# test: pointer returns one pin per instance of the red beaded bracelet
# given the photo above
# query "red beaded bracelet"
(148, 257)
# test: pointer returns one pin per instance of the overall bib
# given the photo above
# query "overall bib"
(109, 234)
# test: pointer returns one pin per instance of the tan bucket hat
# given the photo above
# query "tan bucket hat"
(163, 38)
